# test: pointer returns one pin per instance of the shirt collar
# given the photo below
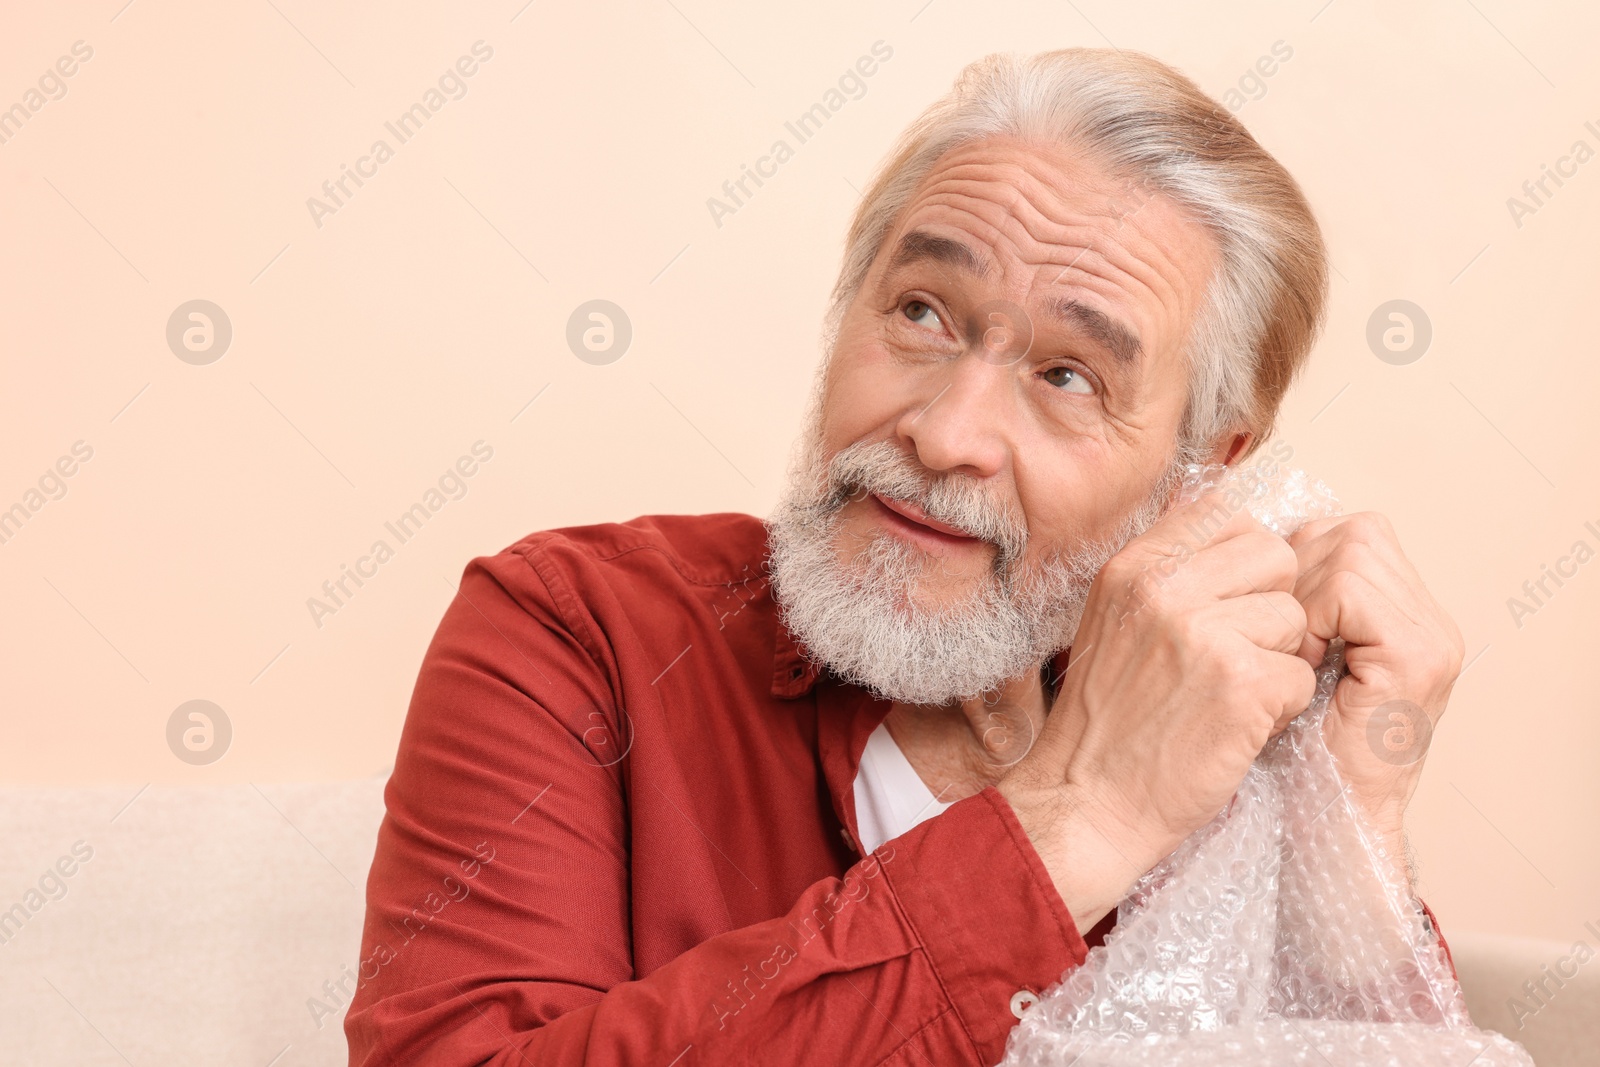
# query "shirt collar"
(847, 714)
(793, 674)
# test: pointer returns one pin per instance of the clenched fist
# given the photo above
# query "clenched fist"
(1187, 661)
(1401, 649)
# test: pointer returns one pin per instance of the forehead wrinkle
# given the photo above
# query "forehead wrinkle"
(1107, 330)
(1118, 268)
(1041, 193)
(1118, 242)
(1100, 241)
(1120, 273)
(1070, 227)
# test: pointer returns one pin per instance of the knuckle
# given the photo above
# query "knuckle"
(1351, 556)
(1259, 540)
(1247, 674)
(1305, 677)
(1374, 525)
(1119, 560)
(1159, 595)
(1309, 531)
(1189, 633)
(1446, 661)
(1342, 584)
(1282, 556)
(1292, 611)
(1118, 571)
(1238, 670)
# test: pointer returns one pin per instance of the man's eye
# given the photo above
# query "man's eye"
(921, 313)
(1068, 380)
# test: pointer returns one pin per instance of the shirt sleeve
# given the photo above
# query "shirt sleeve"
(1433, 924)
(498, 928)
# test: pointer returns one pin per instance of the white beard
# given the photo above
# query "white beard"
(863, 620)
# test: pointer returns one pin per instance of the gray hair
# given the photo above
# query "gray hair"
(1147, 123)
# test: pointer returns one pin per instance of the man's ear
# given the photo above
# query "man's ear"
(1228, 450)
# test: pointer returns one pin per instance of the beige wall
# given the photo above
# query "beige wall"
(371, 351)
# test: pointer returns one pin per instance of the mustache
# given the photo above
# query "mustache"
(954, 499)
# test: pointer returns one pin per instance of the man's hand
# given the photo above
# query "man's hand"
(1403, 652)
(1184, 666)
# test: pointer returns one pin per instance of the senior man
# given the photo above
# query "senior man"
(853, 784)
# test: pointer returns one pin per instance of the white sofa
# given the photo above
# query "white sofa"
(213, 925)
(197, 932)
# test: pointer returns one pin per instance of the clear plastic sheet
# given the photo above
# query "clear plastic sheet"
(1279, 933)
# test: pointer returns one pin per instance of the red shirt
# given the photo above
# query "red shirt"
(620, 829)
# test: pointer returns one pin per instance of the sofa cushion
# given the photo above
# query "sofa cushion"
(1559, 1020)
(222, 924)
(182, 925)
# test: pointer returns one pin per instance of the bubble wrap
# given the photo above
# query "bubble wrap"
(1279, 933)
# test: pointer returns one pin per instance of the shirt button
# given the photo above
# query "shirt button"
(846, 835)
(1022, 1000)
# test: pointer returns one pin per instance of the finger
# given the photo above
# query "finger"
(1253, 561)
(1316, 540)
(1379, 558)
(1250, 562)
(1187, 528)
(1292, 683)
(1411, 601)
(1407, 603)
(1226, 553)
(1347, 604)
(1272, 620)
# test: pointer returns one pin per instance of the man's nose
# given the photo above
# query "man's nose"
(958, 424)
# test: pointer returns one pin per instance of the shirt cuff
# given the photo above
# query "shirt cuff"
(986, 913)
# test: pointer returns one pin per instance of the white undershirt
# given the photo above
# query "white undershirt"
(890, 797)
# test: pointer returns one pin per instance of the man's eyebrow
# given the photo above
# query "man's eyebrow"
(922, 245)
(1107, 332)
(1113, 336)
